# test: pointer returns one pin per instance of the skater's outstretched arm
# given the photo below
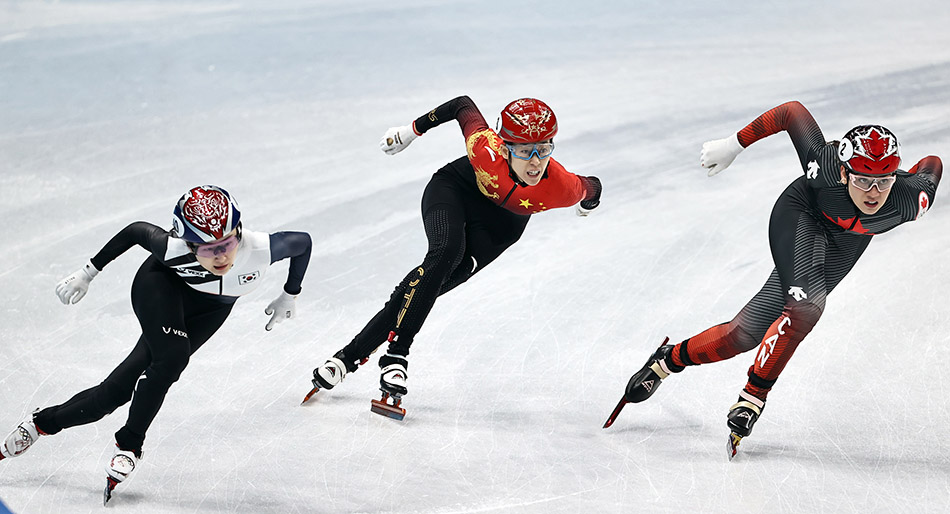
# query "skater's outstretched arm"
(791, 117)
(462, 109)
(141, 233)
(150, 237)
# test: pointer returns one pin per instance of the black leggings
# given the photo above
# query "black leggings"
(466, 232)
(176, 320)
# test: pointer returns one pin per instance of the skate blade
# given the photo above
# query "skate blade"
(310, 395)
(732, 446)
(107, 493)
(617, 409)
(383, 408)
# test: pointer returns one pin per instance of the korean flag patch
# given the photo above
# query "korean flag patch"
(247, 278)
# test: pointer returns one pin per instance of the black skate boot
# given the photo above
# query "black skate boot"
(643, 383)
(392, 382)
(741, 418)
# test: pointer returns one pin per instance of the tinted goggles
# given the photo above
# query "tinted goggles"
(528, 150)
(212, 250)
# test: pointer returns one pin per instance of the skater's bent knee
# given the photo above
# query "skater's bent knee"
(112, 397)
(168, 370)
(804, 313)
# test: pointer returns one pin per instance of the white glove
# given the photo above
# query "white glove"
(397, 139)
(582, 212)
(718, 154)
(284, 307)
(72, 288)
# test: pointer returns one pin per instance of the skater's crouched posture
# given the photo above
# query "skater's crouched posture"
(181, 295)
(473, 209)
(851, 190)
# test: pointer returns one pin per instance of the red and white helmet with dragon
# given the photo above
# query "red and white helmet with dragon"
(527, 120)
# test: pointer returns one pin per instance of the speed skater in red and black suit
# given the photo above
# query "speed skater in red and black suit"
(473, 209)
(850, 190)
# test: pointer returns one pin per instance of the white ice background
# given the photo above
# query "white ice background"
(109, 111)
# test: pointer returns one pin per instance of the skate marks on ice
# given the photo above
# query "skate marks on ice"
(74, 482)
(477, 448)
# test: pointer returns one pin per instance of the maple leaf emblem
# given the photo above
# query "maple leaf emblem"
(846, 223)
(924, 204)
(875, 144)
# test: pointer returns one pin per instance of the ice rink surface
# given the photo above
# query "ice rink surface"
(109, 111)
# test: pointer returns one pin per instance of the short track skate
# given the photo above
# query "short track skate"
(336, 370)
(309, 395)
(120, 467)
(390, 410)
(648, 378)
(732, 445)
(742, 417)
(107, 493)
(616, 412)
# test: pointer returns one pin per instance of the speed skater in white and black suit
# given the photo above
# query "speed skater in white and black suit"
(181, 295)
(850, 190)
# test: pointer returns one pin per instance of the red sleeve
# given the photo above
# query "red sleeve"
(930, 165)
(491, 170)
(921, 182)
(571, 186)
(793, 118)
